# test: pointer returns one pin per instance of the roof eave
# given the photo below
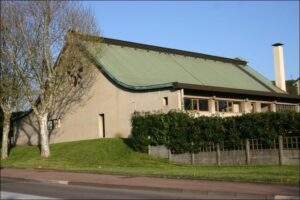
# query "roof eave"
(274, 95)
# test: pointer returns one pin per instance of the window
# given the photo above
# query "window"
(196, 104)
(187, 104)
(203, 104)
(285, 107)
(222, 106)
(166, 101)
(265, 107)
(227, 106)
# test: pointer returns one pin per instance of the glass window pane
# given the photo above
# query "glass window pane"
(203, 104)
(194, 104)
(222, 106)
(187, 104)
(229, 106)
(265, 107)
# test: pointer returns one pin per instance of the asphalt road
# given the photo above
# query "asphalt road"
(12, 188)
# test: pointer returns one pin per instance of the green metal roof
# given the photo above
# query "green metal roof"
(141, 68)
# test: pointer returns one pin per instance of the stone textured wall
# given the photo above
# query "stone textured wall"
(291, 156)
(181, 158)
(264, 156)
(233, 157)
(159, 151)
(208, 158)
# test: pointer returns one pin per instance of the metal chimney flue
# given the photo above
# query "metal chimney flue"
(279, 66)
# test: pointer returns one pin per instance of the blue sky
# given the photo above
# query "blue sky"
(230, 29)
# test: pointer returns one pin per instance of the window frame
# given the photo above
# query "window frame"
(195, 104)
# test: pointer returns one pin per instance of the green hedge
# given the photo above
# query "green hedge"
(182, 133)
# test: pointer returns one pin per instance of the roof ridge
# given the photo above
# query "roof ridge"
(156, 48)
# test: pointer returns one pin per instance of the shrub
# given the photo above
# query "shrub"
(179, 132)
(182, 133)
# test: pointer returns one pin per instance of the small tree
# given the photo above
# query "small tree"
(53, 72)
(10, 100)
(10, 85)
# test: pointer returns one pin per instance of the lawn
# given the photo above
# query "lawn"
(113, 156)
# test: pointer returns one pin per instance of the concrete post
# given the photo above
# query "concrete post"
(298, 108)
(181, 99)
(247, 151)
(192, 158)
(169, 154)
(149, 146)
(245, 105)
(218, 154)
(192, 154)
(273, 107)
(257, 107)
(211, 106)
(280, 149)
(148, 149)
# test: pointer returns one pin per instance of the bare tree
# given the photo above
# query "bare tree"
(11, 99)
(52, 70)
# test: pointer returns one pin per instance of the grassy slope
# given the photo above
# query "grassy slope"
(114, 156)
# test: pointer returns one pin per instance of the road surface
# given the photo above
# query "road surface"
(12, 188)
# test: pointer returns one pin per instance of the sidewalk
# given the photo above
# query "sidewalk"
(151, 183)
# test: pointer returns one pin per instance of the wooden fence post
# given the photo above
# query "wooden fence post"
(280, 149)
(218, 154)
(247, 150)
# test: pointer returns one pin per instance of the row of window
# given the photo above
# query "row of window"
(220, 105)
(196, 104)
(231, 106)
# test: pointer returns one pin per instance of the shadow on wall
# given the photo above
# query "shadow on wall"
(26, 131)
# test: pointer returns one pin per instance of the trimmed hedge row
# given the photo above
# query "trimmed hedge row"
(182, 133)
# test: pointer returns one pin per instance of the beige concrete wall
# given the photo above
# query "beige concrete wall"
(117, 105)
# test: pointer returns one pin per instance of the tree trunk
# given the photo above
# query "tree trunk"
(44, 136)
(6, 128)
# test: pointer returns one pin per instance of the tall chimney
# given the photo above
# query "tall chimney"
(279, 66)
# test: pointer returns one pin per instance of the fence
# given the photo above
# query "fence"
(284, 150)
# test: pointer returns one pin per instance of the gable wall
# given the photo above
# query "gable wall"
(117, 105)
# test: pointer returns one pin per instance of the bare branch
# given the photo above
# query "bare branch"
(51, 71)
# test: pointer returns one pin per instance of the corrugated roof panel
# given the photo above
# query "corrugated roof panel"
(263, 79)
(142, 68)
(219, 74)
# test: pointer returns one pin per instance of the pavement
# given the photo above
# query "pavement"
(201, 187)
(13, 195)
